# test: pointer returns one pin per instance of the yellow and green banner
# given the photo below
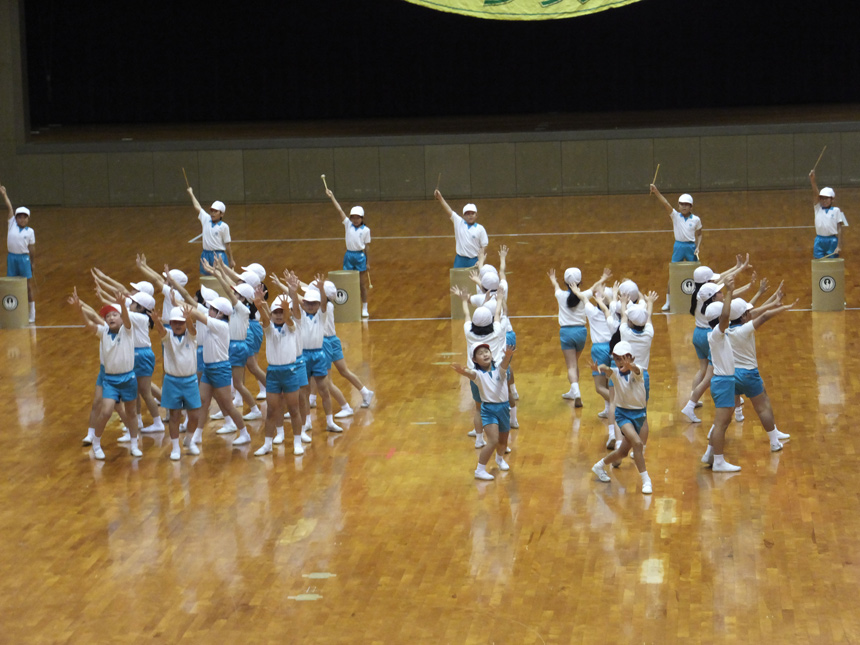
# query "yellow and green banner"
(522, 9)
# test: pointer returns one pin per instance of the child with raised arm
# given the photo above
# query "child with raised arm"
(492, 383)
(21, 250)
(357, 239)
(829, 221)
(286, 373)
(216, 233)
(119, 386)
(470, 237)
(180, 390)
(630, 412)
(687, 228)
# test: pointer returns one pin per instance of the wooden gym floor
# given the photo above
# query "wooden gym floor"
(381, 535)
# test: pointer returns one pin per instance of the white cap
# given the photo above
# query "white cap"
(739, 307)
(218, 206)
(208, 294)
(251, 278)
(330, 289)
(223, 305)
(176, 314)
(490, 281)
(144, 286)
(22, 210)
(708, 291)
(704, 274)
(178, 277)
(470, 208)
(630, 289)
(615, 307)
(607, 294)
(622, 348)
(311, 295)
(487, 268)
(572, 275)
(245, 290)
(827, 191)
(281, 302)
(482, 317)
(256, 268)
(713, 311)
(637, 315)
(686, 199)
(357, 210)
(144, 300)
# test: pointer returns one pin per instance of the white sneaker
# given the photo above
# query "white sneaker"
(262, 450)
(183, 426)
(237, 401)
(334, 428)
(690, 414)
(775, 446)
(217, 416)
(603, 414)
(253, 415)
(345, 412)
(502, 464)
(726, 467)
(152, 429)
(228, 427)
(364, 313)
(312, 402)
(242, 439)
(710, 432)
(782, 436)
(366, 399)
(472, 433)
(708, 457)
(646, 488)
(508, 450)
(261, 396)
(175, 455)
(136, 452)
(286, 415)
(298, 449)
(483, 474)
(98, 453)
(665, 306)
(515, 425)
(87, 441)
(279, 439)
(610, 442)
(598, 470)
(479, 442)
(306, 438)
(193, 449)
(739, 413)
(570, 396)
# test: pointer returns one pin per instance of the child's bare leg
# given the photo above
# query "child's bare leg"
(492, 433)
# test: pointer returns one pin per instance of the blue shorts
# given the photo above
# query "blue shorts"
(636, 418)
(700, 342)
(100, 379)
(120, 387)
(572, 337)
(18, 265)
(217, 374)
(355, 261)
(824, 245)
(180, 393)
(282, 379)
(723, 391)
(316, 362)
(498, 413)
(511, 338)
(144, 362)
(238, 353)
(333, 348)
(600, 355)
(748, 383)
(200, 363)
(461, 262)
(684, 252)
(254, 339)
(209, 256)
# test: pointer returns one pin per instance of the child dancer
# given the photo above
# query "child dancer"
(216, 233)
(630, 412)
(179, 391)
(119, 390)
(357, 239)
(21, 249)
(829, 221)
(470, 237)
(495, 408)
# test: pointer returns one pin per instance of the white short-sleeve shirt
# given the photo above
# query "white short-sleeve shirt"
(180, 354)
(629, 389)
(19, 239)
(640, 343)
(597, 325)
(313, 330)
(282, 344)
(721, 353)
(140, 326)
(216, 344)
(685, 227)
(239, 321)
(743, 346)
(356, 238)
(567, 316)
(117, 350)
(216, 235)
(827, 220)
(469, 239)
(492, 385)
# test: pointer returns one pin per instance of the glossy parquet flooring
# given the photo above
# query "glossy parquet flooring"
(381, 535)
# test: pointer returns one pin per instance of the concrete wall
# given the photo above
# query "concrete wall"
(129, 173)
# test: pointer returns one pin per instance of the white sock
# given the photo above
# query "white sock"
(279, 431)
(574, 389)
(513, 389)
(606, 407)
(364, 391)
(691, 405)
(329, 420)
(772, 436)
(611, 429)
(32, 311)
(262, 385)
(297, 441)
(175, 444)
(198, 435)
(600, 464)
(644, 476)
(158, 423)
(91, 432)
(139, 422)
(256, 408)
(308, 423)
(312, 399)
(719, 460)
(481, 467)
(97, 442)
(134, 443)
(267, 442)
(513, 415)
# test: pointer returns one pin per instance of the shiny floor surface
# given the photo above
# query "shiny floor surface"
(381, 534)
